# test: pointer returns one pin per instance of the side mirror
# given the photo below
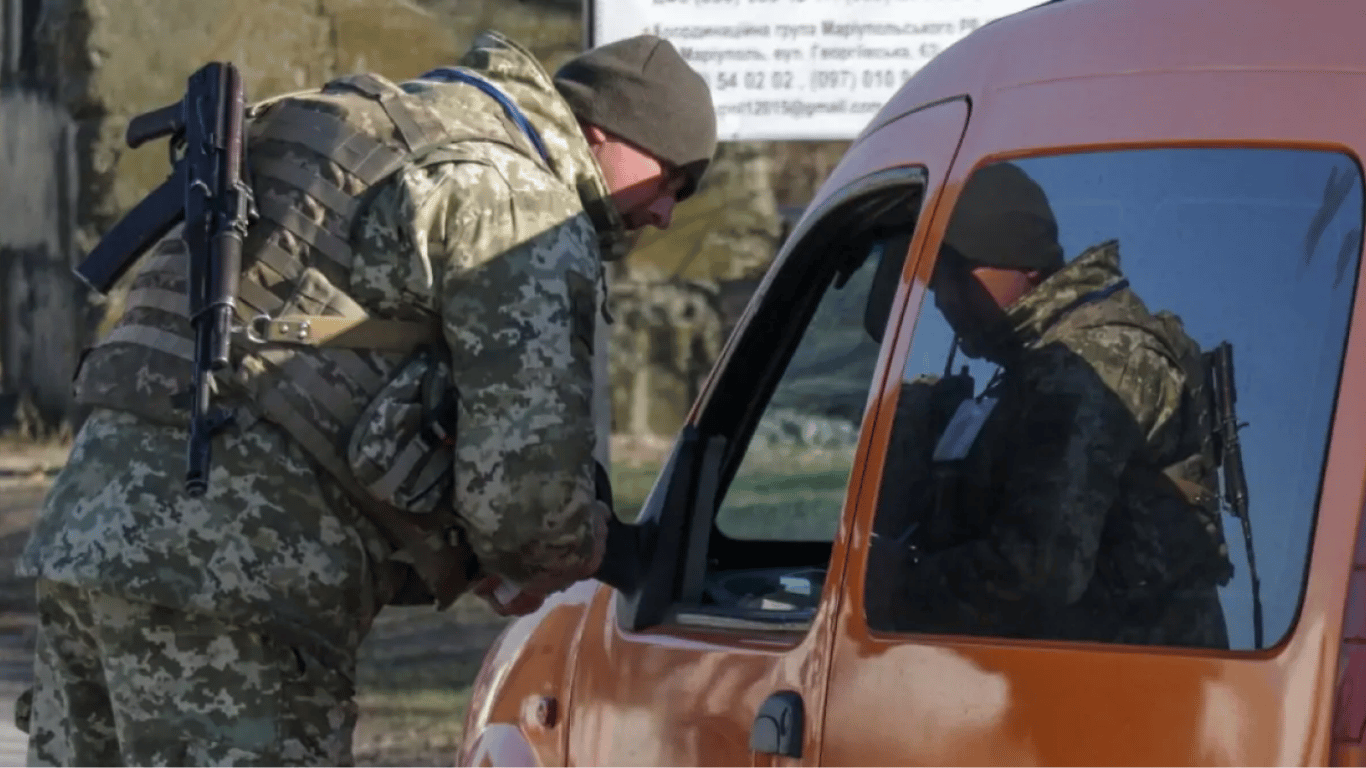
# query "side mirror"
(642, 560)
(622, 562)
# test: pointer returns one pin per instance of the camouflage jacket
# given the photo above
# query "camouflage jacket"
(507, 253)
(1055, 524)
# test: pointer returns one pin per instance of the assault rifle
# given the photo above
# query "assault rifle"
(207, 191)
(1223, 398)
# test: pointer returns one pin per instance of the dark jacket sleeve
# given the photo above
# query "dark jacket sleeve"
(1074, 425)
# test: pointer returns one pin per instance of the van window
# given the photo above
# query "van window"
(791, 482)
(1058, 484)
(780, 444)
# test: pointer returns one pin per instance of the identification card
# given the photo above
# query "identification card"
(963, 429)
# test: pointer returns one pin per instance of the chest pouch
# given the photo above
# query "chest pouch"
(402, 447)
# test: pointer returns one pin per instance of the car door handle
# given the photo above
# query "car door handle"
(778, 726)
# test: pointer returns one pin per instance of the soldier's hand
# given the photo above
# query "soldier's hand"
(506, 598)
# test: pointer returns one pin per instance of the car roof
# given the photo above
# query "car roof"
(1070, 39)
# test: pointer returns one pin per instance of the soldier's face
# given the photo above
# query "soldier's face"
(973, 300)
(644, 189)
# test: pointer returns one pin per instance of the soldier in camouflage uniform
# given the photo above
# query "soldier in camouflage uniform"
(1081, 505)
(419, 302)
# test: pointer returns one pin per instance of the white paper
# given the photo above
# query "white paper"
(800, 69)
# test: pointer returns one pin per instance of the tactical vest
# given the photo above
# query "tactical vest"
(369, 398)
(1191, 480)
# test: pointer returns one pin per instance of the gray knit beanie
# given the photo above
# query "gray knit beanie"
(1003, 219)
(642, 90)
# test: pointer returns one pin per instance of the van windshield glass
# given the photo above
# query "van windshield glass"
(1255, 247)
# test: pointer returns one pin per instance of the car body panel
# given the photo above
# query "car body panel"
(520, 700)
(1066, 77)
(705, 687)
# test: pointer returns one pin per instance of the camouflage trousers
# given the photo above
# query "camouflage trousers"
(118, 682)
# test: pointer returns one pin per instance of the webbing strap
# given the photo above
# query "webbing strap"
(170, 302)
(334, 397)
(330, 137)
(257, 298)
(320, 237)
(514, 113)
(352, 332)
(388, 97)
(170, 253)
(411, 455)
(354, 366)
(348, 363)
(285, 264)
(155, 338)
(307, 181)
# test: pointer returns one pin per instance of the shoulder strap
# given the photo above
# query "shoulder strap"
(352, 332)
(514, 113)
(390, 97)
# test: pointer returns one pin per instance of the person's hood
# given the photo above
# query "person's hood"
(516, 71)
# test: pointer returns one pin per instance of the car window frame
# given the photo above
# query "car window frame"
(926, 259)
(706, 457)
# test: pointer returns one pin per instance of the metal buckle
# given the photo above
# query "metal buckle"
(257, 328)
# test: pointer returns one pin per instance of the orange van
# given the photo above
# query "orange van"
(1218, 143)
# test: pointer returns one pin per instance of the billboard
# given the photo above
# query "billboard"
(798, 69)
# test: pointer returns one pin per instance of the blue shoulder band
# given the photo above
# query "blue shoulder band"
(453, 75)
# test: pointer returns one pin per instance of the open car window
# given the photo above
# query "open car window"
(780, 434)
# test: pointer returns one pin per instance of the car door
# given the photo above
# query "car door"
(1269, 267)
(720, 658)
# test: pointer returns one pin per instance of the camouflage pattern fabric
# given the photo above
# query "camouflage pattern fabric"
(507, 253)
(269, 544)
(1043, 530)
(120, 682)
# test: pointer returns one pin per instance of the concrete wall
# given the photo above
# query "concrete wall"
(43, 312)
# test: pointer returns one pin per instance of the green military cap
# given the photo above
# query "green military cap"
(1003, 219)
(643, 91)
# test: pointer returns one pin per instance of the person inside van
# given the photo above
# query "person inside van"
(1071, 498)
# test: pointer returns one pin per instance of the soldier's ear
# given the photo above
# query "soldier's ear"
(595, 135)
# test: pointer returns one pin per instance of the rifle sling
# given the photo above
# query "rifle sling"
(348, 332)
